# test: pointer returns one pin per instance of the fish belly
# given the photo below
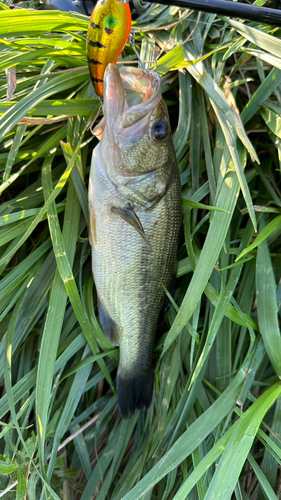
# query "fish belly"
(128, 273)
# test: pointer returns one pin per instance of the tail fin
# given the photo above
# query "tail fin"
(134, 391)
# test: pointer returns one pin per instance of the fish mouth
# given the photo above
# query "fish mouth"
(130, 94)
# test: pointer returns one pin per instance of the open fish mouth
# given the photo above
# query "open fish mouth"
(130, 95)
(143, 93)
(140, 87)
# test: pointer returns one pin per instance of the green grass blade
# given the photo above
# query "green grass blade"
(263, 92)
(57, 306)
(13, 151)
(67, 277)
(22, 108)
(270, 465)
(8, 383)
(194, 204)
(263, 40)
(59, 186)
(266, 231)
(267, 489)
(209, 255)
(191, 439)
(267, 307)
(12, 21)
(233, 458)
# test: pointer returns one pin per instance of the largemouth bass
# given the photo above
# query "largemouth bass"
(135, 217)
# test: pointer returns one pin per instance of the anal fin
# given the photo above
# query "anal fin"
(109, 326)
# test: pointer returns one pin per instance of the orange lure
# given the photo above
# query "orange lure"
(108, 32)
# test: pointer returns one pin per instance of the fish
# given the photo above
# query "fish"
(135, 218)
(108, 32)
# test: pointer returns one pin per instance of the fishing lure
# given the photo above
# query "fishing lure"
(108, 32)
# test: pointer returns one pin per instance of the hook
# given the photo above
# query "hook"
(156, 64)
(131, 40)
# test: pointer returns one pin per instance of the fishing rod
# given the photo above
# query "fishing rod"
(221, 7)
(227, 8)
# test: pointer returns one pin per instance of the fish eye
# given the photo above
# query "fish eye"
(159, 129)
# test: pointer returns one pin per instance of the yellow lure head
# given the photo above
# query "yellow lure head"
(108, 32)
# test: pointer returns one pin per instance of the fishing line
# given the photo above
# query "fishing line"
(92, 123)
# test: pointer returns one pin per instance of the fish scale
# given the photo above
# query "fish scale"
(130, 263)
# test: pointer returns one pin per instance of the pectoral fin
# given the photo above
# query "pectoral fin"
(128, 215)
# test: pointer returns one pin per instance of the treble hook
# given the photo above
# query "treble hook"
(131, 40)
(154, 68)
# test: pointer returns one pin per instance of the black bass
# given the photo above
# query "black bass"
(135, 217)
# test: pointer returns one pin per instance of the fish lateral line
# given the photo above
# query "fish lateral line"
(129, 216)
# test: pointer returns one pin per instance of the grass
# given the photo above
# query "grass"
(213, 430)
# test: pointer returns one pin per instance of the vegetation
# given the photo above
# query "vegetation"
(213, 430)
